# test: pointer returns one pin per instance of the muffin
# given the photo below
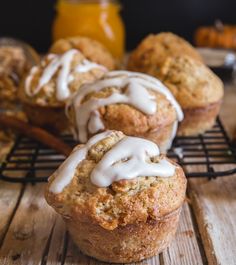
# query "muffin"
(91, 49)
(152, 52)
(49, 85)
(134, 103)
(119, 198)
(198, 91)
(13, 66)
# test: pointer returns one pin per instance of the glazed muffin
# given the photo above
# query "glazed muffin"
(91, 49)
(134, 103)
(119, 198)
(49, 85)
(197, 89)
(13, 66)
(152, 52)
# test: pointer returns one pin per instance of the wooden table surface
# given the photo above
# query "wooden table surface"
(32, 233)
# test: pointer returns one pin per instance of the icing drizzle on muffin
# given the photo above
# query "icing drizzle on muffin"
(132, 88)
(129, 158)
(62, 66)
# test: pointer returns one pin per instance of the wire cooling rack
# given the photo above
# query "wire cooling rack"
(200, 156)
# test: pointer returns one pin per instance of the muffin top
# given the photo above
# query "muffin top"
(115, 180)
(57, 77)
(192, 83)
(13, 65)
(132, 100)
(91, 49)
(151, 53)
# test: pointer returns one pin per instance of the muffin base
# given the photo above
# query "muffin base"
(198, 120)
(131, 243)
(49, 118)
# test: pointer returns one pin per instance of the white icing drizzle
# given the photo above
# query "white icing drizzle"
(61, 63)
(179, 152)
(29, 78)
(133, 89)
(127, 159)
(87, 66)
(66, 171)
(95, 124)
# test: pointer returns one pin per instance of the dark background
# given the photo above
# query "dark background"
(31, 20)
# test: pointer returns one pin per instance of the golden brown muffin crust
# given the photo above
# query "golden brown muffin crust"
(133, 122)
(122, 203)
(151, 53)
(127, 118)
(8, 90)
(12, 61)
(130, 243)
(198, 120)
(13, 66)
(192, 83)
(91, 49)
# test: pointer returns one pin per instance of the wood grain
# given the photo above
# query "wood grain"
(30, 229)
(9, 196)
(37, 235)
(56, 250)
(214, 204)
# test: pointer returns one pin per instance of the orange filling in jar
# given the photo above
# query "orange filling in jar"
(98, 20)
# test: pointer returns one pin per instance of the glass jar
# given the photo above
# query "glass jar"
(96, 19)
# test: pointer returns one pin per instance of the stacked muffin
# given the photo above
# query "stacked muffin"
(119, 195)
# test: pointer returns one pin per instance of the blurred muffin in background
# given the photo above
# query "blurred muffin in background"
(13, 66)
(179, 66)
(197, 89)
(152, 52)
(91, 49)
(49, 85)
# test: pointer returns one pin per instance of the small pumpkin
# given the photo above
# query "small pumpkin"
(217, 36)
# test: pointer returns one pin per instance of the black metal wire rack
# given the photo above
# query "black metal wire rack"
(30, 161)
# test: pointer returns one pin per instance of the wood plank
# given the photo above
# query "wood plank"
(56, 249)
(214, 203)
(30, 229)
(9, 196)
(184, 249)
